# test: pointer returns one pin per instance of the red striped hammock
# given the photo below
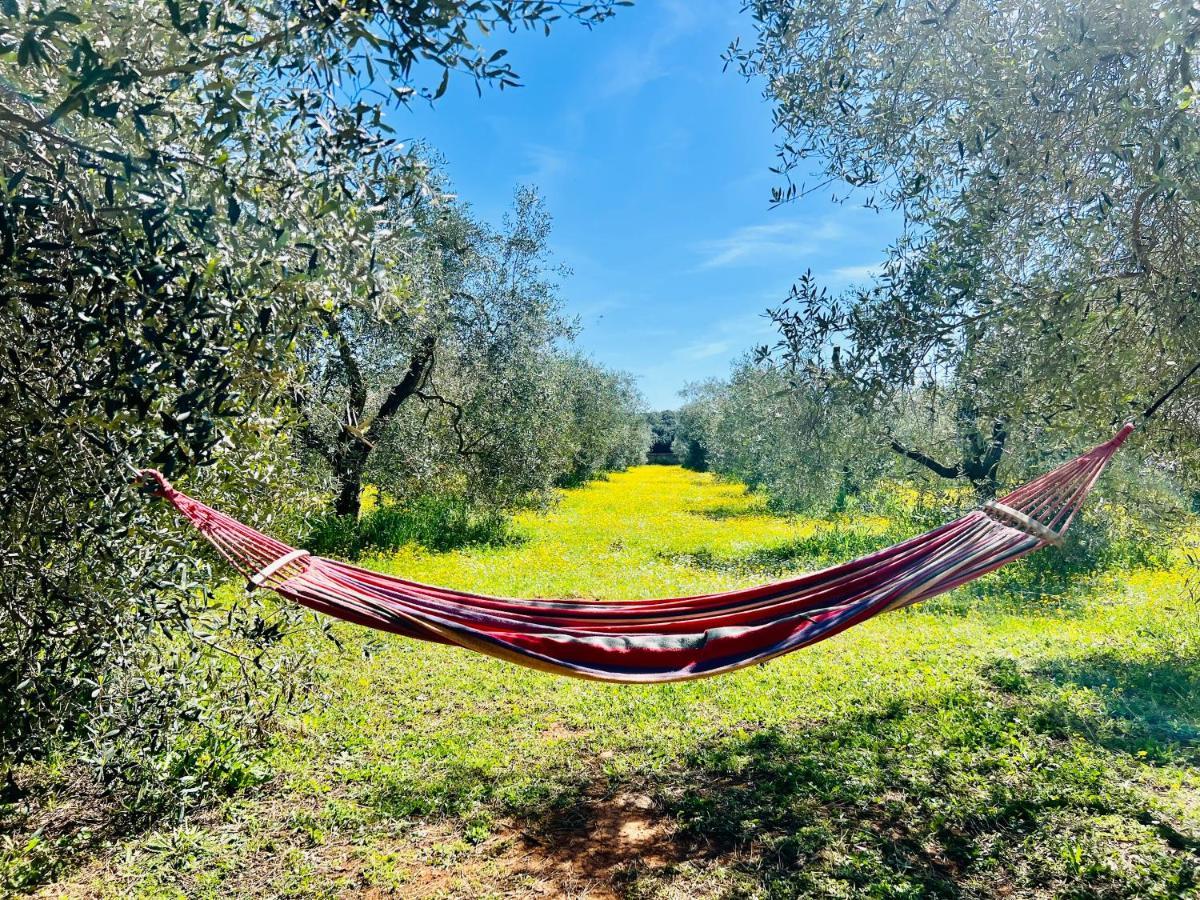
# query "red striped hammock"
(672, 639)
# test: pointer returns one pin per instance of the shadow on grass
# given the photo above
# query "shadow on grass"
(1150, 708)
(1005, 595)
(49, 824)
(1007, 784)
(1051, 579)
(434, 523)
(1012, 779)
(827, 547)
(722, 512)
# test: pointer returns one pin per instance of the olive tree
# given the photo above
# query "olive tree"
(181, 183)
(442, 374)
(462, 382)
(597, 421)
(1045, 156)
(693, 425)
(772, 429)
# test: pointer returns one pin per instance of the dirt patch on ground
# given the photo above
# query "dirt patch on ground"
(50, 821)
(601, 844)
(559, 732)
(593, 848)
(595, 851)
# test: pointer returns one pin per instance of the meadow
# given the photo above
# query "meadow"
(1012, 739)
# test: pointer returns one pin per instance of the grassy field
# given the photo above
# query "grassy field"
(990, 743)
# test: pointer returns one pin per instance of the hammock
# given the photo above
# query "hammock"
(669, 639)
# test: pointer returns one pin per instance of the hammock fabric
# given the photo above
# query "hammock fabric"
(669, 639)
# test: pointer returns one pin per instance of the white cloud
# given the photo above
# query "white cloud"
(850, 273)
(708, 354)
(633, 66)
(704, 349)
(727, 337)
(546, 164)
(855, 274)
(629, 70)
(756, 244)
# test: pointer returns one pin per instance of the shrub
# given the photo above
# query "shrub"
(117, 653)
(436, 522)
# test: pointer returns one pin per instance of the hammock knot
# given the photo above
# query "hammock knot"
(1126, 430)
(148, 477)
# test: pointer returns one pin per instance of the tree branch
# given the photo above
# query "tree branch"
(465, 447)
(1140, 251)
(996, 449)
(418, 368)
(217, 59)
(309, 436)
(938, 468)
(354, 377)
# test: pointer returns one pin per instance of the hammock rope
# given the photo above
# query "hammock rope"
(672, 639)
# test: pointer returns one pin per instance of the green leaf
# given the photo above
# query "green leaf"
(29, 50)
(58, 16)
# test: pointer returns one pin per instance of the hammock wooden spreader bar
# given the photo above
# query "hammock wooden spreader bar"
(673, 639)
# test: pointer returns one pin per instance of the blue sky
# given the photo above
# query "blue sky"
(655, 166)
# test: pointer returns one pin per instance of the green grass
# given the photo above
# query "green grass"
(984, 744)
(435, 523)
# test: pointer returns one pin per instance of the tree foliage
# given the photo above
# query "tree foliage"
(460, 381)
(182, 182)
(797, 442)
(449, 347)
(1045, 156)
(598, 423)
(662, 430)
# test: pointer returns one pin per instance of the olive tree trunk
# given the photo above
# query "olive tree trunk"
(980, 462)
(352, 448)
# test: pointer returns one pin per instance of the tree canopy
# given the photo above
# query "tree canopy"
(188, 187)
(461, 378)
(1045, 157)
